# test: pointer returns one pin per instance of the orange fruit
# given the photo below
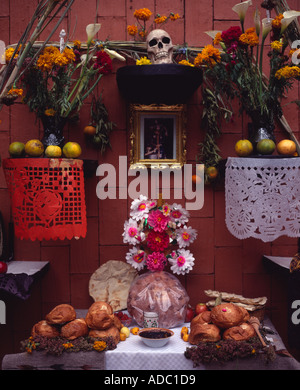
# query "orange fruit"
(123, 337)
(72, 150)
(53, 151)
(89, 130)
(16, 149)
(212, 172)
(243, 148)
(265, 146)
(185, 337)
(34, 148)
(287, 147)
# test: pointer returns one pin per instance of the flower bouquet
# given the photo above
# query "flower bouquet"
(159, 235)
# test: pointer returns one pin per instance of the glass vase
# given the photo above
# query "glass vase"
(53, 130)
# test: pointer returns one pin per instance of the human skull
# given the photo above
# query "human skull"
(159, 47)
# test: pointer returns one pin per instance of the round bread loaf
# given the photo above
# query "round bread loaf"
(111, 332)
(100, 316)
(42, 328)
(241, 332)
(61, 314)
(227, 315)
(202, 318)
(204, 332)
(74, 329)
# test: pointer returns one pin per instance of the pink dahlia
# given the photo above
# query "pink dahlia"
(158, 241)
(156, 261)
(158, 220)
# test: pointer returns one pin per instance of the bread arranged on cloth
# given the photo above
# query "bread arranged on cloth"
(74, 329)
(240, 332)
(204, 332)
(100, 316)
(61, 314)
(111, 332)
(202, 318)
(42, 328)
(227, 315)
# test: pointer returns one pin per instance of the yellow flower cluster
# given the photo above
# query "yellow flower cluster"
(288, 72)
(249, 37)
(99, 345)
(218, 38)
(132, 30)
(276, 45)
(50, 112)
(15, 92)
(209, 56)
(185, 62)
(160, 19)
(68, 345)
(174, 16)
(51, 56)
(9, 52)
(276, 22)
(142, 14)
(143, 61)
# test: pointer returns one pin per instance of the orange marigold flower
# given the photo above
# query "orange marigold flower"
(276, 22)
(174, 16)
(132, 30)
(50, 112)
(15, 92)
(77, 44)
(142, 14)
(218, 38)
(249, 37)
(160, 19)
(185, 62)
(209, 56)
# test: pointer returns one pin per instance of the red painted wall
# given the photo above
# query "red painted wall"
(222, 262)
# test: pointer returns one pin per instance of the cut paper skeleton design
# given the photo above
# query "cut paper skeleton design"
(159, 47)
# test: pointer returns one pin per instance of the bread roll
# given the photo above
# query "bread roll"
(100, 316)
(61, 314)
(74, 329)
(202, 318)
(42, 328)
(241, 332)
(227, 315)
(111, 332)
(204, 332)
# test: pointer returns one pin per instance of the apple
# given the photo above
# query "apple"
(3, 267)
(200, 308)
(190, 314)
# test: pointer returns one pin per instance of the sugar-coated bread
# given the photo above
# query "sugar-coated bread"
(111, 332)
(42, 328)
(159, 292)
(100, 316)
(74, 329)
(61, 314)
(240, 332)
(204, 332)
(227, 315)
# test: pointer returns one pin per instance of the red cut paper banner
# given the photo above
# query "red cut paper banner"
(47, 197)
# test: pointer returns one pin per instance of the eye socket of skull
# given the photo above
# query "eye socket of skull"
(153, 42)
(166, 40)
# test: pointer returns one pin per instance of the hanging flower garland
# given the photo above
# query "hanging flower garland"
(159, 236)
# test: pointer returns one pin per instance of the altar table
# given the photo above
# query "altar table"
(133, 354)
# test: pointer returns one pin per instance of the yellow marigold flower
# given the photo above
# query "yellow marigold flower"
(50, 112)
(253, 351)
(174, 16)
(209, 56)
(276, 22)
(68, 345)
(276, 45)
(99, 345)
(8, 54)
(218, 38)
(132, 30)
(142, 14)
(288, 72)
(185, 62)
(15, 92)
(142, 34)
(143, 61)
(77, 44)
(160, 19)
(249, 37)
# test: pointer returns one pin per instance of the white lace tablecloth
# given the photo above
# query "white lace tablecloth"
(262, 197)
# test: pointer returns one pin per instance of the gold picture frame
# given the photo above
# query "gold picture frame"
(157, 135)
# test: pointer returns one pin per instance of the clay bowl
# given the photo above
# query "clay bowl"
(155, 337)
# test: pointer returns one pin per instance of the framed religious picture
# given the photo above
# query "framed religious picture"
(157, 135)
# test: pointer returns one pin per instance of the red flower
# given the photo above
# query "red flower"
(158, 241)
(231, 35)
(103, 62)
(158, 220)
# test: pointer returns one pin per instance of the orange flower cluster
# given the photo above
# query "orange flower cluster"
(208, 56)
(276, 22)
(142, 14)
(249, 38)
(288, 72)
(51, 56)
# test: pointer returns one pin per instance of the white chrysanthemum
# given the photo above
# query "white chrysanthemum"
(139, 208)
(136, 258)
(183, 262)
(185, 236)
(179, 214)
(132, 234)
